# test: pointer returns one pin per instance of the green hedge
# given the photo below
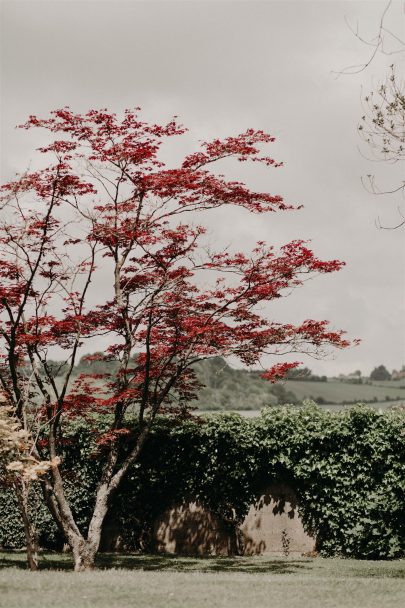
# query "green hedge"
(346, 467)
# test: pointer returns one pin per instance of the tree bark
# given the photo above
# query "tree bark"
(84, 555)
(85, 550)
(31, 541)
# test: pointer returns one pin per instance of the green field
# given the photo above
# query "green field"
(253, 393)
(168, 582)
(226, 388)
(338, 392)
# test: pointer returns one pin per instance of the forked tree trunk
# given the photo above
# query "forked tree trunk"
(85, 549)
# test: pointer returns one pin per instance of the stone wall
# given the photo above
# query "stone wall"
(190, 530)
(272, 526)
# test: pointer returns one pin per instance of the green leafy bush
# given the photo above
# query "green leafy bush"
(347, 468)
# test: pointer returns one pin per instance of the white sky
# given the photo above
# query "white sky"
(223, 67)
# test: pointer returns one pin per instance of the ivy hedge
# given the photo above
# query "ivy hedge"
(346, 467)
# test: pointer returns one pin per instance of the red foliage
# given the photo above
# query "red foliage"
(110, 206)
(279, 371)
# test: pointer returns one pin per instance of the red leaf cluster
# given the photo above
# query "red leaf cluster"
(109, 207)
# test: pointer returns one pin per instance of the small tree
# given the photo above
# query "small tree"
(380, 373)
(382, 125)
(20, 468)
(108, 207)
(383, 129)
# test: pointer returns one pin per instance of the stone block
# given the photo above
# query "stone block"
(273, 525)
(190, 529)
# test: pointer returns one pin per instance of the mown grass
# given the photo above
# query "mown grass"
(142, 581)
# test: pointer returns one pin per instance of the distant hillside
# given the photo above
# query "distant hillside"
(237, 389)
(227, 388)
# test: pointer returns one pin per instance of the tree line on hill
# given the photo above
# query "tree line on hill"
(381, 373)
(222, 387)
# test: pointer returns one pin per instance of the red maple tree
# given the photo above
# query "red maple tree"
(97, 244)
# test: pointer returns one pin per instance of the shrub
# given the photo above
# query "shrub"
(347, 468)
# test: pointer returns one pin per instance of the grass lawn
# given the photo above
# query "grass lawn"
(139, 581)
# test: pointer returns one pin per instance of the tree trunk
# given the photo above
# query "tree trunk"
(32, 549)
(85, 550)
(84, 555)
(22, 493)
(233, 544)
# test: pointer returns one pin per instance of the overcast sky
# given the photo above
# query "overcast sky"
(223, 67)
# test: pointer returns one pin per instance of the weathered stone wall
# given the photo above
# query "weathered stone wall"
(272, 526)
(190, 529)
